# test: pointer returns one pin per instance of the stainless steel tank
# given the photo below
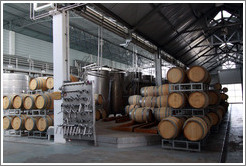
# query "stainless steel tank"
(15, 83)
(101, 80)
(117, 104)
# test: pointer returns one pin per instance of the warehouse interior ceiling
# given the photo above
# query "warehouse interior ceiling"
(193, 34)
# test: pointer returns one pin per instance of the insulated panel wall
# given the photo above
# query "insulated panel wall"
(230, 76)
(5, 41)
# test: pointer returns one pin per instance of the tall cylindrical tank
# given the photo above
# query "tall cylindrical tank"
(15, 83)
(117, 92)
(101, 80)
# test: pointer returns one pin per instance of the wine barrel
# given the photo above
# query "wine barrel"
(98, 99)
(73, 78)
(148, 101)
(214, 118)
(176, 75)
(149, 91)
(31, 123)
(18, 122)
(223, 96)
(103, 113)
(141, 115)
(29, 102)
(161, 101)
(198, 74)
(98, 115)
(225, 105)
(38, 83)
(225, 89)
(128, 108)
(198, 100)
(177, 100)
(217, 86)
(50, 82)
(8, 102)
(195, 129)
(163, 90)
(44, 122)
(207, 120)
(134, 100)
(18, 101)
(44, 101)
(7, 120)
(214, 97)
(161, 113)
(221, 109)
(170, 127)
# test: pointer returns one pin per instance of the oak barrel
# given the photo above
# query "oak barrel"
(18, 101)
(149, 91)
(44, 122)
(31, 123)
(163, 90)
(18, 122)
(98, 99)
(195, 128)
(148, 101)
(103, 113)
(176, 75)
(7, 120)
(198, 74)
(134, 100)
(44, 101)
(38, 83)
(98, 115)
(177, 100)
(221, 109)
(214, 97)
(161, 113)
(29, 102)
(170, 127)
(207, 120)
(50, 82)
(214, 118)
(161, 101)
(198, 100)
(8, 102)
(217, 86)
(223, 96)
(141, 115)
(225, 105)
(128, 108)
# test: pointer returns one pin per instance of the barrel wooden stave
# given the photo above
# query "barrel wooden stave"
(223, 96)
(98, 115)
(163, 90)
(195, 128)
(148, 101)
(161, 113)
(177, 100)
(50, 82)
(18, 122)
(8, 101)
(217, 86)
(44, 101)
(176, 75)
(44, 122)
(198, 74)
(7, 120)
(29, 102)
(18, 101)
(170, 127)
(161, 101)
(134, 100)
(98, 99)
(149, 91)
(214, 97)
(38, 83)
(31, 123)
(128, 108)
(214, 118)
(198, 100)
(141, 115)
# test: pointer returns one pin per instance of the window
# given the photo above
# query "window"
(234, 92)
(229, 65)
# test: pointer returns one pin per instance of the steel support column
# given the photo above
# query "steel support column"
(11, 42)
(61, 66)
(158, 73)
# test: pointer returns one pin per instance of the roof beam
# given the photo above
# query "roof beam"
(198, 57)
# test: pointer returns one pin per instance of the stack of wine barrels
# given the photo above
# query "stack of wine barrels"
(100, 112)
(150, 105)
(194, 128)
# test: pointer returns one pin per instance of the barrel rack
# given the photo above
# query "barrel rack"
(181, 143)
(32, 113)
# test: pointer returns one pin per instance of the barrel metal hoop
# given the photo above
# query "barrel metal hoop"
(176, 127)
(134, 117)
(143, 113)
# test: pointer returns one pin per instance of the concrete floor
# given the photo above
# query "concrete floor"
(24, 150)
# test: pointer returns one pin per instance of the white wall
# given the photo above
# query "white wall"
(42, 50)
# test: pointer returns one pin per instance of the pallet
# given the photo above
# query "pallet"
(37, 134)
(137, 127)
(15, 133)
